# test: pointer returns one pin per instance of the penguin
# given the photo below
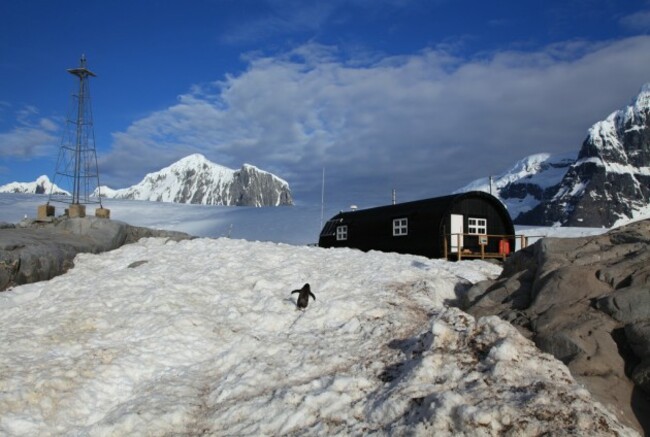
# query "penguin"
(303, 297)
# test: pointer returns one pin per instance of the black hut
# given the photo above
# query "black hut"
(435, 227)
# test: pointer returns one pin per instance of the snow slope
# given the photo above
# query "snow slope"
(202, 337)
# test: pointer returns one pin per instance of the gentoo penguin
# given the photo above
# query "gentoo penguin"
(303, 297)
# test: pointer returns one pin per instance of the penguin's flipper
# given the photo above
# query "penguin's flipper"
(295, 291)
(312, 295)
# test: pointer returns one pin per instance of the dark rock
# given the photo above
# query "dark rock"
(587, 302)
(631, 304)
(641, 375)
(474, 293)
(135, 264)
(638, 337)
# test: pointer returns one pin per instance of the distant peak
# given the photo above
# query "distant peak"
(193, 157)
(642, 100)
(196, 160)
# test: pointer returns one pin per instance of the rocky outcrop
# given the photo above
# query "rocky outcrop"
(35, 251)
(586, 301)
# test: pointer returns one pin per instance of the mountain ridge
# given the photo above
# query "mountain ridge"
(192, 179)
(605, 184)
(42, 185)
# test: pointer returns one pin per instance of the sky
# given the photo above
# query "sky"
(420, 96)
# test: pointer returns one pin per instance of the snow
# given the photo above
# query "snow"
(641, 213)
(202, 337)
(166, 184)
(251, 167)
(541, 170)
(42, 182)
(534, 233)
(614, 167)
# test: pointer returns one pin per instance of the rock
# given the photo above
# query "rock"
(40, 251)
(638, 337)
(587, 302)
(474, 293)
(641, 375)
(136, 264)
(631, 304)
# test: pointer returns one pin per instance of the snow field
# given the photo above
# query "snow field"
(203, 337)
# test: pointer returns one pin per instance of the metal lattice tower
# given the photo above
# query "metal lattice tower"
(76, 167)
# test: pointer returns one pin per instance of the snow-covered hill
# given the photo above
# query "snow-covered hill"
(42, 185)
(608, 183)
(194, 179)
(202, 337)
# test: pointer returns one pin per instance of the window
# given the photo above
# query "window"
(400, 227)
(476, 226)
(342, 232)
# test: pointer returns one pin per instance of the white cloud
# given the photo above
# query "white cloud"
(425, 123)
(31, 137)
(281, 17)
(637, 22)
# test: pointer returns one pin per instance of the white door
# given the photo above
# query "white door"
(456, 232)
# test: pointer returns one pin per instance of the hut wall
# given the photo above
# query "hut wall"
(428, 221)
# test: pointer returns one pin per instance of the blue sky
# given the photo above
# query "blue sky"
(418, 95)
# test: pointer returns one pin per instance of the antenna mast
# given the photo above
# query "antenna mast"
(322, 199)
(76, 168)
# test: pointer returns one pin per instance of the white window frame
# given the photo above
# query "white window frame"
(476, 226)
(341, 232)
(400, 227)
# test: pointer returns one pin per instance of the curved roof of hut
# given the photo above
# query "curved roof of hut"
(439, 207)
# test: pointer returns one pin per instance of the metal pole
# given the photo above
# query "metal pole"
(322, 200)
(77, 153)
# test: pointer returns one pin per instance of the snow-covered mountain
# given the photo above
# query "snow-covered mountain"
(608, 183)
(530, 181)
(42, 185)
(194, 179)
